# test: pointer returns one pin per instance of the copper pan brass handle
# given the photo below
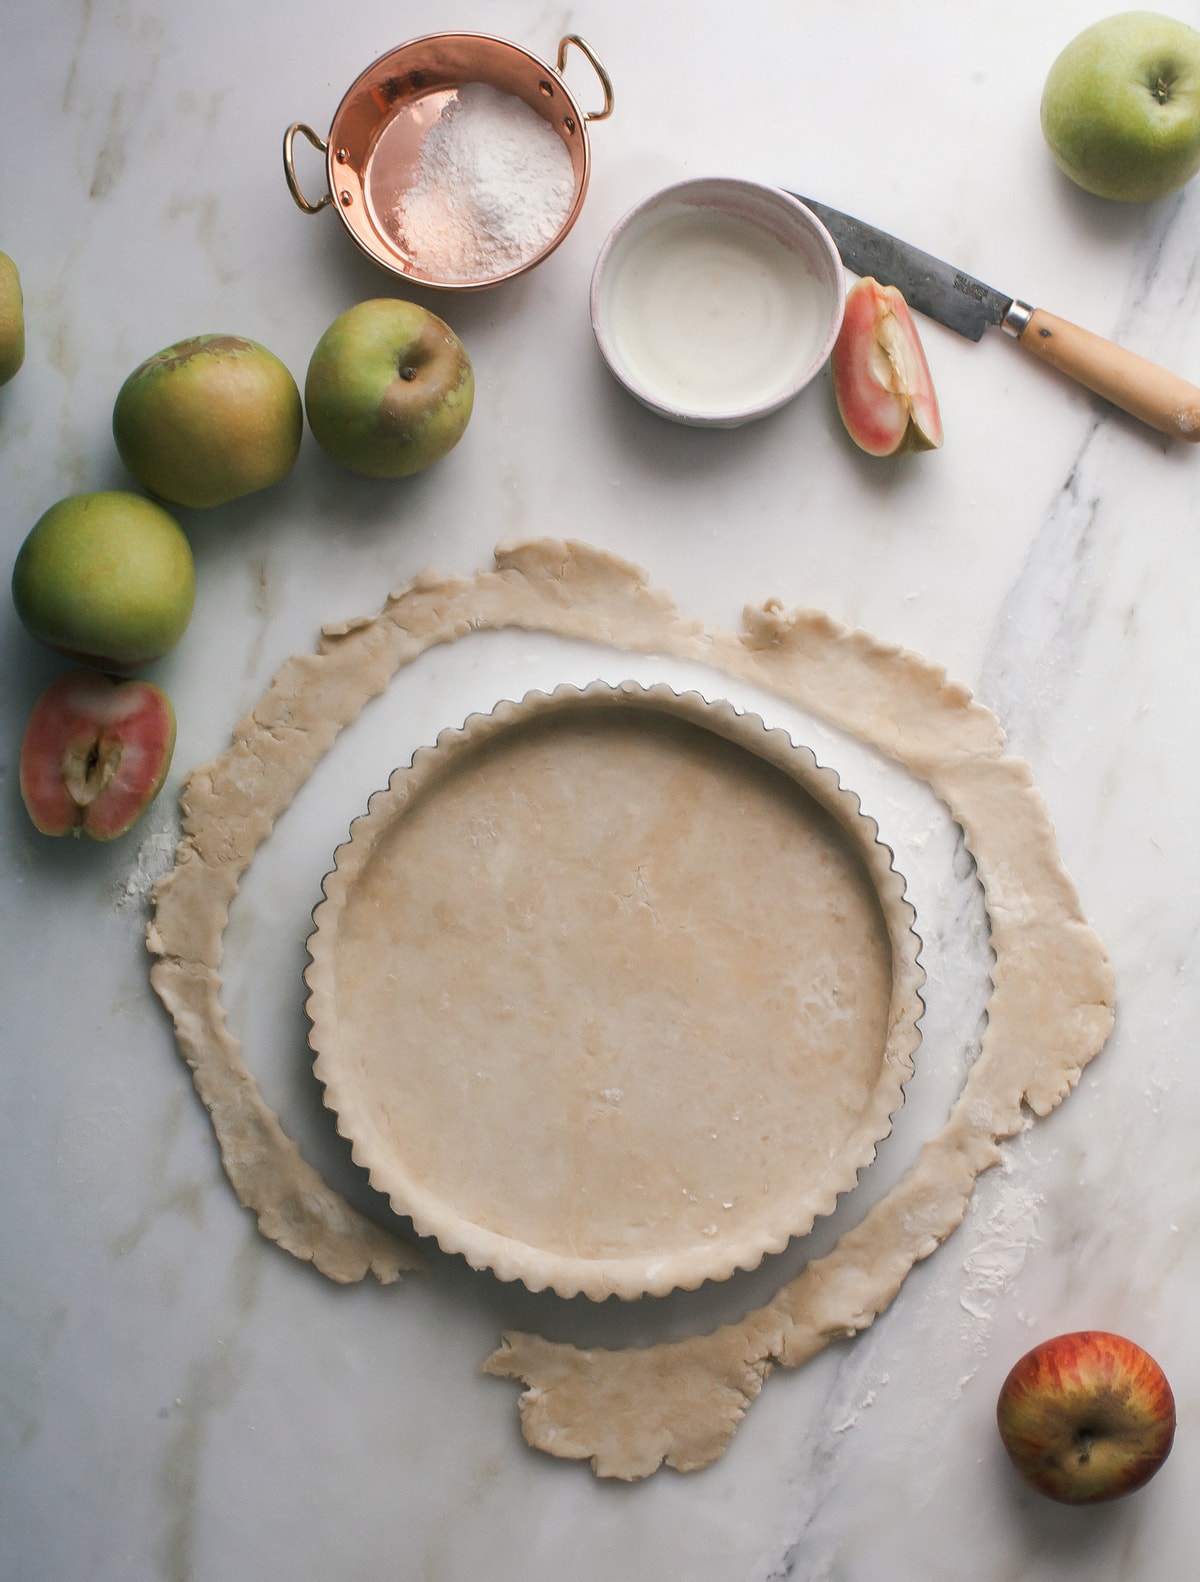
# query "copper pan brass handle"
(597, 66)
(289, 168)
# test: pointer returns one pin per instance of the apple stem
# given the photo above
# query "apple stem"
(408, 372)
(1161, 90)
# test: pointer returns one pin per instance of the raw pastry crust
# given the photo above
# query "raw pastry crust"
(693, 990)
(1050, 1012)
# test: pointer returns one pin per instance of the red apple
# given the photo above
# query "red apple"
(1086, 1417)
(95, 754)
(881, 377)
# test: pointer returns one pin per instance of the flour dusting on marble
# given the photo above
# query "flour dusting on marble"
(155, 857)
(1002, 1224)
(867, 1400)
(997, 1260)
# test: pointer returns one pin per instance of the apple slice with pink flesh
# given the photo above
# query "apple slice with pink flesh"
(95, 754)
(881, 376)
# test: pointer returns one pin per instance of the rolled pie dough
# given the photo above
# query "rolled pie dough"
(1050, 1011)
(614, 990)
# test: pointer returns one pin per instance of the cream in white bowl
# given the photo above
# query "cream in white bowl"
(717, 300)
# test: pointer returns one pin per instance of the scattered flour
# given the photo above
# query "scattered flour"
(155, 857)
(494, 187)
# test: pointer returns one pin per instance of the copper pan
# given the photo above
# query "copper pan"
(373, 151)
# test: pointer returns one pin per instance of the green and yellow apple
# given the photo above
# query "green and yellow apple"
(95, 754)
(208, 420)
(1121, 107)
(12, 320)
(107, 578)
(1086, 1417)
(389, 389)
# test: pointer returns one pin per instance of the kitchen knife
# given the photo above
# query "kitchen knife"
(964, 304)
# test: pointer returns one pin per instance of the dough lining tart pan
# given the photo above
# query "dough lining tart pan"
(613, 990)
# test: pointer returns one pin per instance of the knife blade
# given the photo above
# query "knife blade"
(968, 306)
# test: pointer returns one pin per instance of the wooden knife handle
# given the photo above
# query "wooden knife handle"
(1137, 386)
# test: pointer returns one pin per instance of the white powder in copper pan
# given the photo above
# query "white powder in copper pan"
(494, 187)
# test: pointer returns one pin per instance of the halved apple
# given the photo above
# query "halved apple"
(881, 377)
(95, 754)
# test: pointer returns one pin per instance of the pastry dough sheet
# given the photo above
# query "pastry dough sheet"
(630, 1411)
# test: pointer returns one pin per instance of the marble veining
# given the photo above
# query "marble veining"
(182, 1402)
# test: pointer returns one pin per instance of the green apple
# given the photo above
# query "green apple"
(208, 420)
(12, 320)
(1121, 107)
(107, 578)
(389, 389)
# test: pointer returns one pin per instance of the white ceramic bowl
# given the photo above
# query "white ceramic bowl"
(716, 300)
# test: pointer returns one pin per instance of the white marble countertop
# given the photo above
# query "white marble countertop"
(183, 1401)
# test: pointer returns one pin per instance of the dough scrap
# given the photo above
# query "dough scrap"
(1050, 1011)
